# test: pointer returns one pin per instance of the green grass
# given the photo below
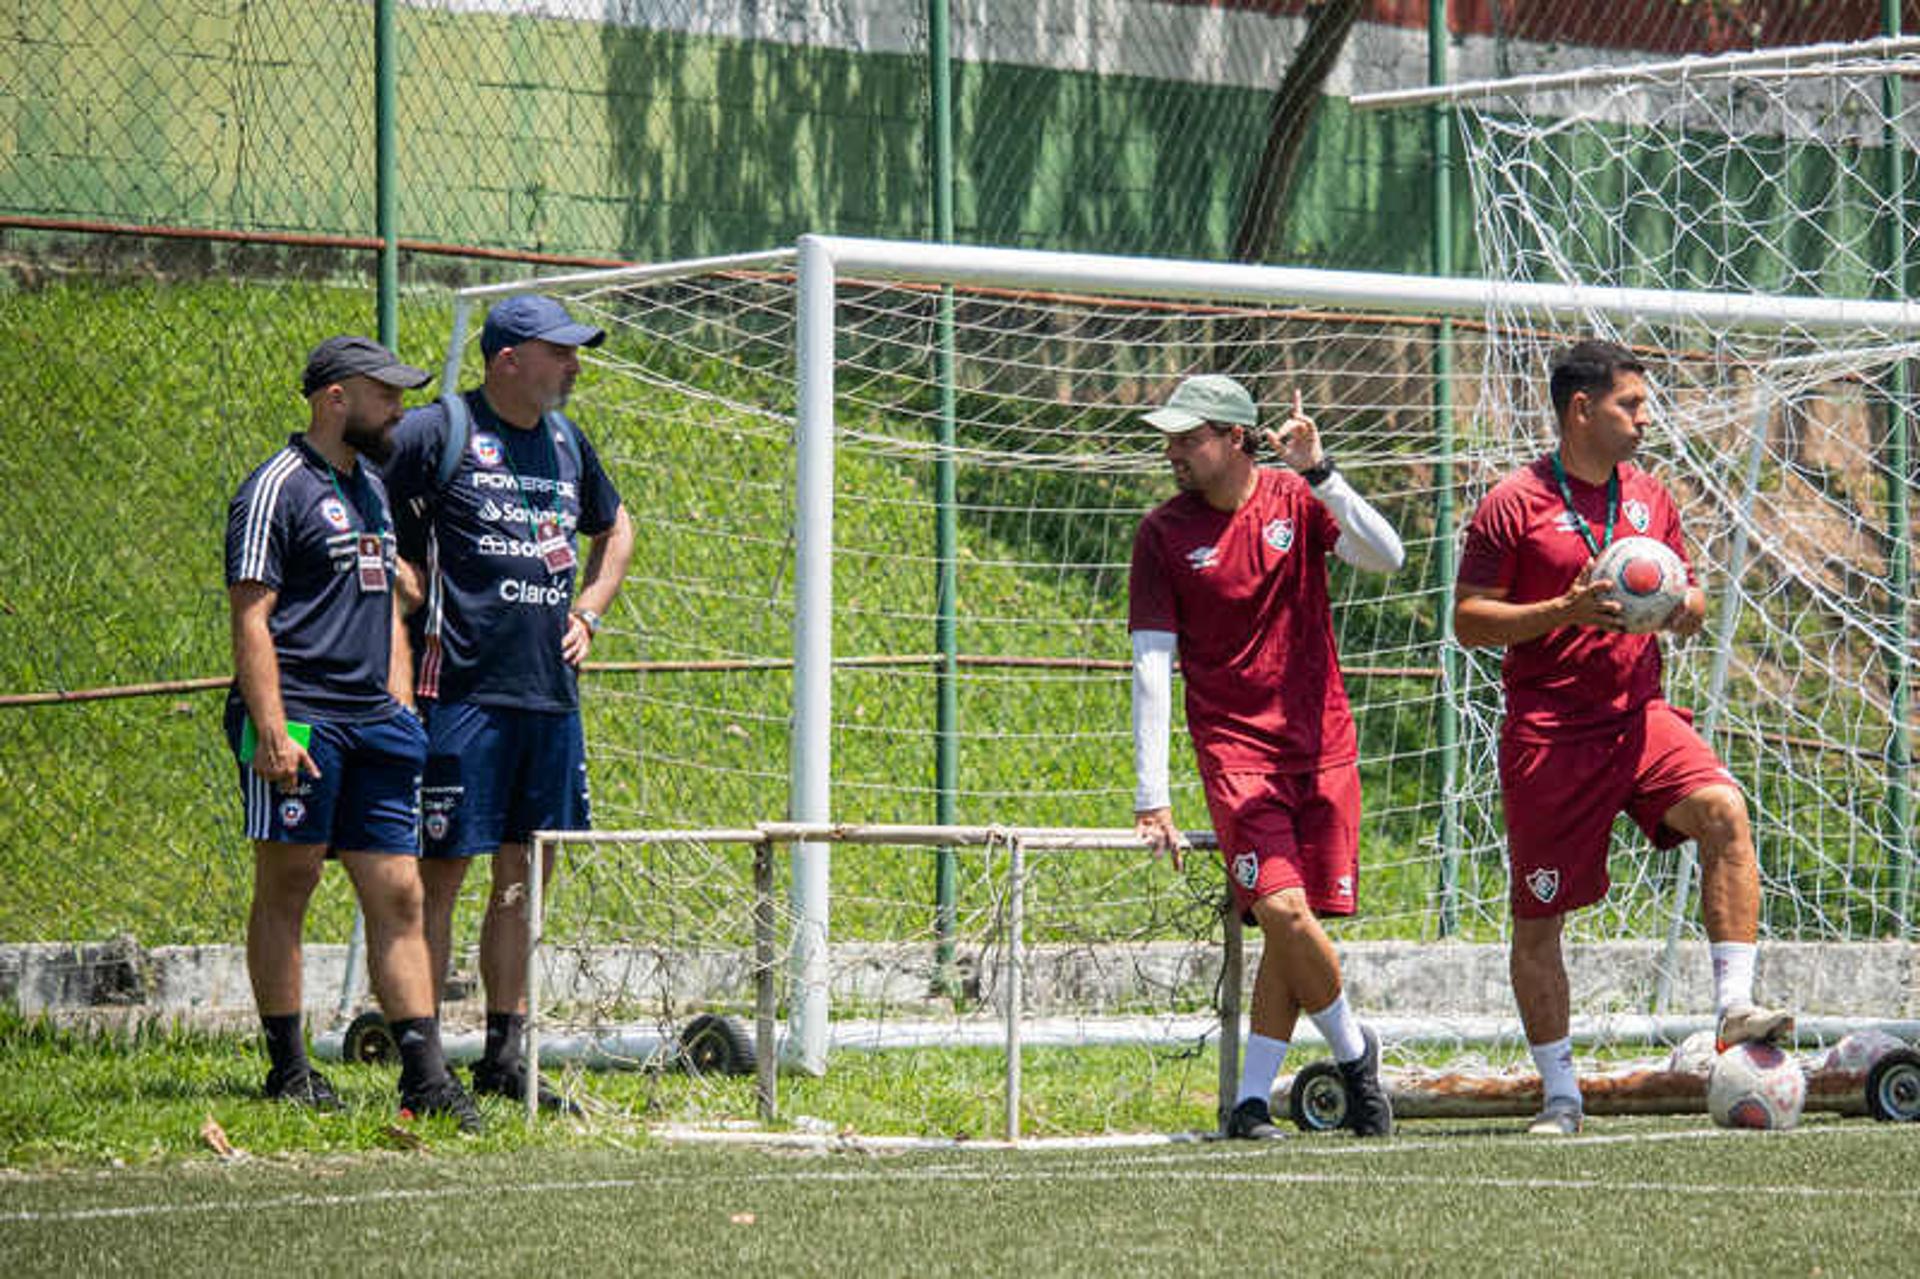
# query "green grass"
(1640, 1197)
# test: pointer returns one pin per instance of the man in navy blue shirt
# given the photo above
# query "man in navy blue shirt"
(330, 752)
(490, 501)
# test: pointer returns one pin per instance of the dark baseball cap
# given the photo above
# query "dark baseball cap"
(527, 317)
(337, 359)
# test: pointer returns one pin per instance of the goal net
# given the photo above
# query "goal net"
(1787, 441)
(885, 498)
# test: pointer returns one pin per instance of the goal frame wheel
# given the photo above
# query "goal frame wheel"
(368, 1040)
(1317, 1102)
(711, 1044)
(1893, 1087)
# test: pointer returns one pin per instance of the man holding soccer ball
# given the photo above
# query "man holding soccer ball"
(1587, 732)
(1233, 570)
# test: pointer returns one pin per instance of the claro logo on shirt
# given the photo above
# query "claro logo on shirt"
(515, 591)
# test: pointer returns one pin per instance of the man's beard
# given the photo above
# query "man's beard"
(372, 441)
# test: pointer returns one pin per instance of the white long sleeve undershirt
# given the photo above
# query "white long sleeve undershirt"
(1152, 718)
(1367, 541)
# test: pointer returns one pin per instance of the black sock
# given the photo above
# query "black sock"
(286, 1050)
(421, 1060)
(505, 1033)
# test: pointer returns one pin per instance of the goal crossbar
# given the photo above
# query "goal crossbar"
(1415, 294)
(1693, 67)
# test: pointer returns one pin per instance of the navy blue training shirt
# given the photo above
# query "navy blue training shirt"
(495, 613)
(295, 526)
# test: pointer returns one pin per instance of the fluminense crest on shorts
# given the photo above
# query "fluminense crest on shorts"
(1279, 534)
(1637, 514)
(1543, 883)
(1246, 870)
(487, 449)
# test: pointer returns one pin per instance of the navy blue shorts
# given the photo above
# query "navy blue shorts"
(495, 775)
(366, 799)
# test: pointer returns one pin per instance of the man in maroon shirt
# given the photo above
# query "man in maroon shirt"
(1587, 733)
(1233, 571)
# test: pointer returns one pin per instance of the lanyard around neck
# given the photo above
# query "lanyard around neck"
(374, 524)
(1579, 521)
(553, 455)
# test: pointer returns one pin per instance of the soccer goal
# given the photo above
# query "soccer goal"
(886, 494)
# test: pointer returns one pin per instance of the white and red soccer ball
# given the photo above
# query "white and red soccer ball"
(1649, 581)
(1756, 1085)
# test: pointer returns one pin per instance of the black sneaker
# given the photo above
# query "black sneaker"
(302, 1085)
(1369, 1110)
(492, 1079)
(442, 1096)
(1252, 1121)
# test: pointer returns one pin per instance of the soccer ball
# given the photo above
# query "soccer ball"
(1692, 1055)
(1648, 580)
(1856, 1053)
(1756, 1085)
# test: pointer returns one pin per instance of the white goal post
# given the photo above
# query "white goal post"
(823, 261)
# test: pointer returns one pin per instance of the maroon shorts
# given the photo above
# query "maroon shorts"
(1290, 830)
(1561, 799)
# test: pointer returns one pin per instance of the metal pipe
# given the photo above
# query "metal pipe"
(385, 150)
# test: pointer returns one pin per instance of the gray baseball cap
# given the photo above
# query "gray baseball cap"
(337, 359)
(1207, 398)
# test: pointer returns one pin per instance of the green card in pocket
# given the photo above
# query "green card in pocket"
(302, 734)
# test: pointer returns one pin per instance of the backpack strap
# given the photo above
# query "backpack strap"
(459, 428)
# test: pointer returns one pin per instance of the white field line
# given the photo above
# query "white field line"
(1188, 1167)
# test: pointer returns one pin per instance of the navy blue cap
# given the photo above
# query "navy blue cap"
(525, 317)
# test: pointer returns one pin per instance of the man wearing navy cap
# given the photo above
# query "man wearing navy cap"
(491, 489)
(329, 751)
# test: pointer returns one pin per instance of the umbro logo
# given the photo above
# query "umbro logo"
(1202, 558)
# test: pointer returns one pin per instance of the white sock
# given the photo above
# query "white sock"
(1732, 973)
(1338, 1027)
(1260, 1062)
(1554, 1061)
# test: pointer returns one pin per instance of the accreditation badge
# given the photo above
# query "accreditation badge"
(371, 560)
(554, 546)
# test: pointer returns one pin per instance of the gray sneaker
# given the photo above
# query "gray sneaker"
(1750, 1023)
(1560, 1117)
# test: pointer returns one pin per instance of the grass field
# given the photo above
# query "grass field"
(103, 1169)
(1636, 1197)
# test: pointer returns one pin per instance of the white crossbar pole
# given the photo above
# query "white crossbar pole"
(1696, 67)
(1403, 294)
